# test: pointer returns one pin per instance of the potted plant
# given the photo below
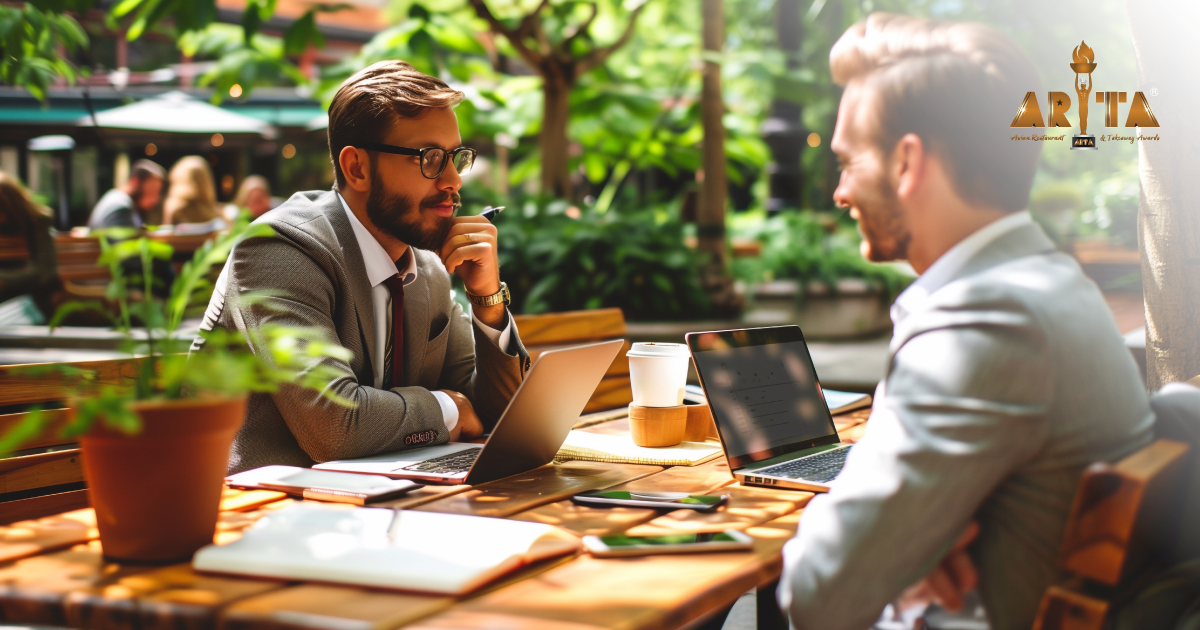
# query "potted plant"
(155, 451)
(812, 274)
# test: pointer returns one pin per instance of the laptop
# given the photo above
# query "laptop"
(528, 435)
(775, 426)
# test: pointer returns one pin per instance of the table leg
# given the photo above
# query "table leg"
(770, 617)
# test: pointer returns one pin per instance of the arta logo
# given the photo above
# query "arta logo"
(1083, 62)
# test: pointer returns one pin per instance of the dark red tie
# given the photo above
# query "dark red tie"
(393, 360)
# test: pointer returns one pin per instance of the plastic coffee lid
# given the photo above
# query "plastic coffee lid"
(655, 349)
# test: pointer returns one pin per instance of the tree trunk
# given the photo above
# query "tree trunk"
(556, 176)
(784, 131)
(710, 228)
(1169, 212)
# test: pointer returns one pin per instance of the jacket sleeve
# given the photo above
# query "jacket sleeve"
(301, 294)
(962, 407)
(486, 374)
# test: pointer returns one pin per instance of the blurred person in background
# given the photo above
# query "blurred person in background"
(254, 195)
(129, 205)
(26, 285)
(192, 197)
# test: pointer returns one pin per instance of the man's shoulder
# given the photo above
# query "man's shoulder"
(301, 208)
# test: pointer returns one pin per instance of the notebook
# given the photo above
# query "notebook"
(841, 402)
(620, 449)
(450, 554)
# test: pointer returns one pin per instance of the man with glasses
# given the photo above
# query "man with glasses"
(367, 266)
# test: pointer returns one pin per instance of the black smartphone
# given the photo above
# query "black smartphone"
(621, 545)
(647, 499)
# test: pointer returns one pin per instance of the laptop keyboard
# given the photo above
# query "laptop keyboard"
(459, 462)
(821, 467)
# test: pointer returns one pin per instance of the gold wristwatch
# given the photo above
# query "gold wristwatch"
(500, 297)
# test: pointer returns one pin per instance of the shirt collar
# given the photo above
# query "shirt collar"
(378, 263)
(943, 270)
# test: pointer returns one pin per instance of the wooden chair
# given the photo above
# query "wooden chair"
(559, 330)
(13, 248)
(1121, 527)
(28, 478)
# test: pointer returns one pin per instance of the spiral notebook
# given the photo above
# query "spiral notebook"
(620, 449)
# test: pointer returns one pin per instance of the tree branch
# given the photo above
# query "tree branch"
(514, 37)
(599, 55)
(580, 30)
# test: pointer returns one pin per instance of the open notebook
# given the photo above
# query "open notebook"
(451, 554)
(620, 449)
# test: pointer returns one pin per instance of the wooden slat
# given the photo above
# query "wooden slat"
(1114, 503)
(648, 593)
(40, 471)
(13, 248)
(547, 484)
(310, 606)
(571, 326)
(31, 537)
(245, 500)
(747, 507)
(27, 384)
(55, 420)
(1064, 609)
(619, 367)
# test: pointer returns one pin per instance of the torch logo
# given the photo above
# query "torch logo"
(1085, 63)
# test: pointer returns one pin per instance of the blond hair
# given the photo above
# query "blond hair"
(250, 183)
(366, 105)
(192, 197)
(21, 212)
(955, 85)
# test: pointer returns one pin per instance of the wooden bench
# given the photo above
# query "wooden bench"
(540, 333)
(1121, 522)
(48, 460)
(13, 248)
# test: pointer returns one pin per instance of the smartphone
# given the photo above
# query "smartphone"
(621, 545)
(321, 485)
(657, 500)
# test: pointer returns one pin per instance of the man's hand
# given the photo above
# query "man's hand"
(954, 577)
(470, 251)
(469, 427)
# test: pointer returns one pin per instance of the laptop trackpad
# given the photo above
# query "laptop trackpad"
(393, 462)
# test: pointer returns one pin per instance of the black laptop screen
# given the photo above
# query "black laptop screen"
(763, 391)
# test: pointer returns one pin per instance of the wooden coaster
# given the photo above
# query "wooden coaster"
(657, 426)
(700, 424)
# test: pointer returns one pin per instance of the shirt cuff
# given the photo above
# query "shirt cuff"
(498, 337)
(449, 409)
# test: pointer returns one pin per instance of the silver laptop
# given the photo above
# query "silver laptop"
(764, 394)
(529, 433)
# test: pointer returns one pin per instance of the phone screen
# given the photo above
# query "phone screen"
(661, 497)
(673, 539)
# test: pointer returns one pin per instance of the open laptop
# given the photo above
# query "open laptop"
(529, 433)
(764, 394)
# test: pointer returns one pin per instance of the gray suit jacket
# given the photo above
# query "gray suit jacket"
(1002, 387)
(315, 268)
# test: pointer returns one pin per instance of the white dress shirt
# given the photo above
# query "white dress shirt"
(380, 267)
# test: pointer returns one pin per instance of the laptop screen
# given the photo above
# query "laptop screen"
(763, 391)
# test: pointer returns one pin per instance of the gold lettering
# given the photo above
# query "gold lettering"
(1139, 113)
(1029, 115)
(1111, 116)
(1059, 105)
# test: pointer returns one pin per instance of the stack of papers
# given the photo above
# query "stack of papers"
(451, 554)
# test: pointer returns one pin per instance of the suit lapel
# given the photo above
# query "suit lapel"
(356, 272)
(416, 325)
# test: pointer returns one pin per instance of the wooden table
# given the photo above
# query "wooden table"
(52, 570)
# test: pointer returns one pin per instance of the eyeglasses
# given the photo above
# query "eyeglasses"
(433, 159)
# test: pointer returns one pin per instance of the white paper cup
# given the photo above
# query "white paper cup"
(658, 373)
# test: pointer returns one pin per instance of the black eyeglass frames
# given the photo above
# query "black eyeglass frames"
(433, 159)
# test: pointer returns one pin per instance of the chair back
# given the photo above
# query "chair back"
(540, 333)
(1130, 521)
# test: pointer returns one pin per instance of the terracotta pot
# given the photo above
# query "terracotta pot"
(156, 494)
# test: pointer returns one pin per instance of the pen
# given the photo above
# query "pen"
(490, 212)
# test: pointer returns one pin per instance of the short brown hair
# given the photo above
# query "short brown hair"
(956, 86)
(367, 104)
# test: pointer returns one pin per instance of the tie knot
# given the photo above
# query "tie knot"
(395, 284)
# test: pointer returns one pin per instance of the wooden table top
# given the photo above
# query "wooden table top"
(52, 570)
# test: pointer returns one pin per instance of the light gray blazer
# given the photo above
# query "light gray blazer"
(1002, 387)
(315, 268)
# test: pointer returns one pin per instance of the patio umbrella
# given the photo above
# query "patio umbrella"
(177, 112)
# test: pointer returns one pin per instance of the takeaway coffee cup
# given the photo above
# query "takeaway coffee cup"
(658, 373)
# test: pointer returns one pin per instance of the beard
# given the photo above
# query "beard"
(885, 232)
(404, 218)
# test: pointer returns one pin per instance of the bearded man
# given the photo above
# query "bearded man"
(1007, 375)
(367, 267)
